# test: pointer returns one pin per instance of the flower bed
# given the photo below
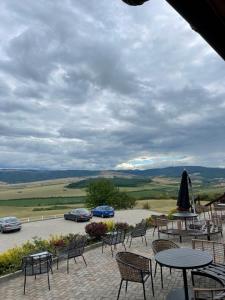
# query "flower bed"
(10, 260)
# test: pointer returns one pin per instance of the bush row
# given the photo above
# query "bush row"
(10, 260)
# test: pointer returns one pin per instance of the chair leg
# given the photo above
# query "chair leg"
(127, 238)
(57, 263)
(145, 241)
(75, 260)
(130, 242)
(84, 260)
(144, 290)
(192, 279)
(50, 267)
(102, 247)
(126, 286)
(142, 239)
(156, 264)
(119, 289)
(112, 250)
(161, 276)
(153, 292)
(48, 282)
(170, 271)
(24, 285)
(124, 247)
(67, 266)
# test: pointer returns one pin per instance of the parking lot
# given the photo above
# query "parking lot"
(44, 229)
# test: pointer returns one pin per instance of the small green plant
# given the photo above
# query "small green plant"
(149, 221)
(110, 225)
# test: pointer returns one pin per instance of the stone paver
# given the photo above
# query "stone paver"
(99, 280)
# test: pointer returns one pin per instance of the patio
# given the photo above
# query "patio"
(99, 280)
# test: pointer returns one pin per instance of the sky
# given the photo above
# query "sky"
(97, 84)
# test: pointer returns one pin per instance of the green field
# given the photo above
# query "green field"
(54, 197)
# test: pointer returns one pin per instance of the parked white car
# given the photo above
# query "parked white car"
(8, 224)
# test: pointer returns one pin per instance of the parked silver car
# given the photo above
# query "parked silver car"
(8, 224)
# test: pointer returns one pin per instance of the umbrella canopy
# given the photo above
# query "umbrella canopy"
(183, 201)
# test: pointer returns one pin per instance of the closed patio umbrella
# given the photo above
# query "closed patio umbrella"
(183, 201)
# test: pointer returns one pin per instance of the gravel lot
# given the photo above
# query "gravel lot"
(45, 228)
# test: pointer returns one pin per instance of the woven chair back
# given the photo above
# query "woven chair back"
(161, 244)
(215, 249)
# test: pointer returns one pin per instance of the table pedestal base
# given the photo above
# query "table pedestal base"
(178, 294)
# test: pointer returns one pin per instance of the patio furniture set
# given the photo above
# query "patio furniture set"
(188, 226)
(41, 262)
(205, 259)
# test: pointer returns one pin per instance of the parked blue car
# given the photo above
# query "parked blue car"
(103, 211)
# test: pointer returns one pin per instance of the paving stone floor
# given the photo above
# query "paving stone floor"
(99, 280)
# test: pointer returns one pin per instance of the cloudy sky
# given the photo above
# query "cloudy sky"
(96, 84)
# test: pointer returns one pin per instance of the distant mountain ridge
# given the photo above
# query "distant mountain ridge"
(13, 176)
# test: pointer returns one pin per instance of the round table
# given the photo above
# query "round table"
(182, 258)
(184, 216)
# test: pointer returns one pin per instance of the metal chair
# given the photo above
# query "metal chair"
(73, 250)
(36, 264)
(138, 231)
(114, 238)
(134, 268)
(160, 245)
(214, 272)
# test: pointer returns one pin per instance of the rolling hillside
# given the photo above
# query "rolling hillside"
(11, 176)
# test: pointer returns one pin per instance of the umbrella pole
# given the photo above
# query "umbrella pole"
(192, 195)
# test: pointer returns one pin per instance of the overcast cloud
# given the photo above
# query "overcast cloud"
(96, 84)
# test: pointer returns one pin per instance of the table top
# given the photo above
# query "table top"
(183, 258)
(40, 254)
(185, 214)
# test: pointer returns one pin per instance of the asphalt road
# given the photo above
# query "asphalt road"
(46, 228)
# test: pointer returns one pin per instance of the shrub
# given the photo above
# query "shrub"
(10, 260)
(170, 214)
(123, 200)
(96, 229)
(146, 205)
(149, 221)
(122, 226)
(110, 225)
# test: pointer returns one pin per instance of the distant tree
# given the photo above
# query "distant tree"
(100, 192)
(103, 191)
(123, 200)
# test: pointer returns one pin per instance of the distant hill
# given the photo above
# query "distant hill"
(204, 172)
(23, 176)
(117, 181)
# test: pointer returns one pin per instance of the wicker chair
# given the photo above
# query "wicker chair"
(134, 268)
(114, 238)
(138, 231)
(73, 250)
(209, 294)
(36, 264)
(160, 223)
(216, 270)
(160, 245)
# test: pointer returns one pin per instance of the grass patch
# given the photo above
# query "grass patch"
(159, 205)
(42, 201)
(54, 207)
